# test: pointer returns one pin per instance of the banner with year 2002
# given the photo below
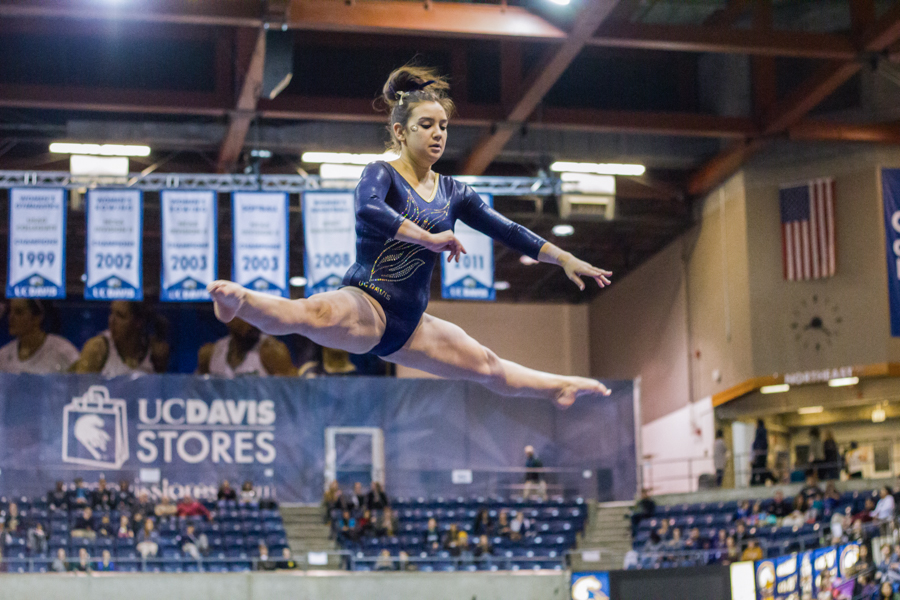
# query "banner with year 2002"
(37, 243)
(472, 278)
(188, 244)
(329, 231)
(114, 229)
(260, 224)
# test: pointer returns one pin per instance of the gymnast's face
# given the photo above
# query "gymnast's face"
(425, 134)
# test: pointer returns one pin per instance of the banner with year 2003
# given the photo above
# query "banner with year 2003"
(329, 231)
(114, 229)
(37, 243)
(260, 224)
(188, 244)
(472, 278)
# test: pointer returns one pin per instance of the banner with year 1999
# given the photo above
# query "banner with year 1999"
(37, 243)
(188, 244)
(114, 229)
(472, 278)
(260, 224)
(329, 231)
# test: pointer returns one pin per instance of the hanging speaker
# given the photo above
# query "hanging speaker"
(279, 65)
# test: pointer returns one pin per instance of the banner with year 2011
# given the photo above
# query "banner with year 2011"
(472, 278)
(188, 244)
(37, 243)
(329, 230)
(115, 221)
(260, 225)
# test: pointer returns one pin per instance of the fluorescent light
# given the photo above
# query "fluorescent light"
(563, 230)
(99, 149)
(297, 281)
(111, 166)
(774, 389)
(878, 415)
(501, 285)
(560, 2)
(261, 153)
(536, 185)
(329, 171)
(527, 260)
(585, 183)
(810, 410)
(599, 168)
(842, 381)
(345, 158)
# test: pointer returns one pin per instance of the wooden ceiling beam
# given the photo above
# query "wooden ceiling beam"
(819, 131)
(245, 110)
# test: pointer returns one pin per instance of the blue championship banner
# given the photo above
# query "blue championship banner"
(260, 223)
(114, 230)
(188, 245)
(37, 243)
(890, 187)
(329, 231)
(472, 278)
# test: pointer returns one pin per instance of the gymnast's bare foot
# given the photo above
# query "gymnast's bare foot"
(576, 387)
(227, 298)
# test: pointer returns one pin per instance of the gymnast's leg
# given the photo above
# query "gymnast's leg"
(444, 349)
(347, 319)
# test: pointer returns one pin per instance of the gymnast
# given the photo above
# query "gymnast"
(405, 216)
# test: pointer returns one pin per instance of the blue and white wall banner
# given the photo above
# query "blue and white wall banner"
(472, 278)
(115, 222)
(189, 240)
(260, 222)
(890, 187)
(329, 231)
(37, 243)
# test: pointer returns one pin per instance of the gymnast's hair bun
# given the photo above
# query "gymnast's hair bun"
(412, 79)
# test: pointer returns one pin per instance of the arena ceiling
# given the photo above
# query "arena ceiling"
(690, 88)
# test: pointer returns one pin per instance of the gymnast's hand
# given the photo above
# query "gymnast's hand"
(445, 241)
(576, 268)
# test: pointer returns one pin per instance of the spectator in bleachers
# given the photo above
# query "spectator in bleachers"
(388, 524)
(830, 499)
(13, 520)
(503, 527)
(720, 456)
(432, 535)
(346, 526)
(720, 541)
(33, 350)
(58, 498)
(534, 481)
(147, 540)
(189, 507)
(482, 523)
(812, 485)
(693, 541)
(644, 508)
(192, 543)
(740, 533)
(364, 525)
(143, 506)
(124, 531)
(123, 498)
(886, 592)
(106, 562)
(84, 525)
(884, 510)
(37, 539)
(779, 507)
(814, 508)
(226, 492)
(865, 515)
(80, 496)
(816, 452)
(732, 550)
(265, 562)
(377, 499)
(164, 508)
(743, 511)
(59, 564)
(137, 522)
(484, 548)
(465, 549)
(451, 537)
(798, 516)
(760, 453)
(102, 497)
(832, 457)
(83, 564)
(864, 588)
(824, 586)
(358, 499)
(287, 560)
(384, 562)
(863, 562)
(105, 527)
(654, 543)
(133, 343)
(245, 351)
(752, 551)
(248, 493)
(404, 564)
(675, 542)
(664, 529)
(519, 527)
(341, 502)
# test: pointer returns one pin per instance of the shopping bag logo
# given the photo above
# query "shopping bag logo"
(95, 430)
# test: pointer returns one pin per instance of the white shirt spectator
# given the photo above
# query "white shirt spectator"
(884, 510)
(115, 366)
(251, 365)
(55, 355)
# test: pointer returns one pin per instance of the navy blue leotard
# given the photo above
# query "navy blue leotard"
(398, 274)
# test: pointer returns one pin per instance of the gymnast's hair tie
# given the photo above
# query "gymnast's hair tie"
(401, 96)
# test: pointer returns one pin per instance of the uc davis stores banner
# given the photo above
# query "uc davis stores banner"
(260, 222)
(890, 185)
(329, 232)
(472, 278)
(114, 229)
(188, 244)
(37, 243)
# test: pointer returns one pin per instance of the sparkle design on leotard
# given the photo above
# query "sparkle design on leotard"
(399, 260)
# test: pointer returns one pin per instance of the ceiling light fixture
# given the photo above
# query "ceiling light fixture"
(330, 171)
(99, 149)
(345, 158)
(563, 230)
(98, 166)
(810, 410)
(774, 389)
(842, 381)
(599, 168)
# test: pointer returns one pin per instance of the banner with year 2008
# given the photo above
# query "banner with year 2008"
(329, 230)
(188, 244)
(37, 243)
(472, 278)
(260, 225)
(114, 231)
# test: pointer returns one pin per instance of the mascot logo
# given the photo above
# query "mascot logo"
(95, 430)
(590, 586)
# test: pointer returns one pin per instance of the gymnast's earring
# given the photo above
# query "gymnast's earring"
(414, 128)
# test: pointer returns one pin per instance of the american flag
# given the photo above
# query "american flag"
(807, 230)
